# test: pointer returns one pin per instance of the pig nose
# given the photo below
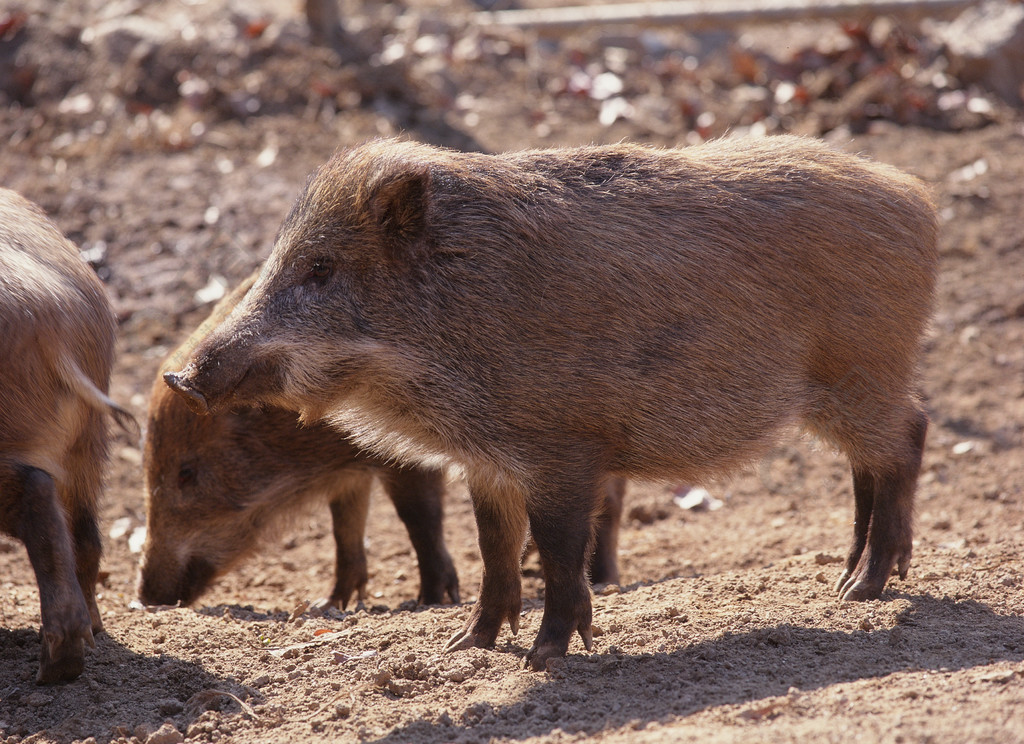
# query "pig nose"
(178, 382)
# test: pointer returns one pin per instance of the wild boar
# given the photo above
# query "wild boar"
(550, 319)
(58, 334)
(215, 483)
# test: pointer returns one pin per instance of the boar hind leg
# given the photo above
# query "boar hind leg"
(88, 548)
(604, 563)
(80, 506)
(501, 531)
(35, 516)
(349, 507)
(80, 497)
(883, 519)
(417, 494)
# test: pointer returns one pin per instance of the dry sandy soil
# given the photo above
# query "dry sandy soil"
(170, 145)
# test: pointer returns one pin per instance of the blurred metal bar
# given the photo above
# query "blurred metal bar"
(705, 14)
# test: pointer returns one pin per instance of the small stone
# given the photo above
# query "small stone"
(962, 448)
(696, 499)
(38, 699)
(1001, 676)
(169, 707)
(555, 665)
(166, 734)
(460, 674)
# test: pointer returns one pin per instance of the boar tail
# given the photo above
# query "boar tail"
(86, 389)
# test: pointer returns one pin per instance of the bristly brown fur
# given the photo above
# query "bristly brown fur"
(549, 319)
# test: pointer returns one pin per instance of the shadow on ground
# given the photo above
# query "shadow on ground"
(126, 692)
(739, 668)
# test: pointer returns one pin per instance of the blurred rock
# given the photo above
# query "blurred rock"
(119, 38)
(985, 45)
(166, 734)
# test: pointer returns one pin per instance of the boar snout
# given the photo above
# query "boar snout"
(180, 383)
(214, 376)
(173, 583)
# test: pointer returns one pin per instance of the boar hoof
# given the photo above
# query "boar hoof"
(464, 639)
(481, 629)
(860, 591)
(471, 637)
(435, 592)
(479, 632)
(542, 653)
(195, 400)
(539, 656)
(63, 655)
(853, 587)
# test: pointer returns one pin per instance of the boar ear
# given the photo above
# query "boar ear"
(398, 204)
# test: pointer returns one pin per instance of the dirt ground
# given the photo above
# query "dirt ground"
(168, 140)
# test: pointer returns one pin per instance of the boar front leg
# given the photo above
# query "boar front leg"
(501, 530)
(561, 525)
(418, 494)
(34, 515)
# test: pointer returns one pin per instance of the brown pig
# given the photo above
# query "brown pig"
(214, 483)
(551, 319)
(58, 336)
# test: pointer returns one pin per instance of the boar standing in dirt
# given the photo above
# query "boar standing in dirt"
(214, 483)
(550, 319)
(58, 336)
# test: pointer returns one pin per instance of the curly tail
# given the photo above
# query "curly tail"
(86, 389)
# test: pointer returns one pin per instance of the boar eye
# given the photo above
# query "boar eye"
(319, 270)
(187, 476)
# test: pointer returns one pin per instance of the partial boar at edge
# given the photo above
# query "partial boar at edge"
(551, 319)
(59, 345)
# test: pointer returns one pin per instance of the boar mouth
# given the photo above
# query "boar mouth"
(192, 582)
(199, 572)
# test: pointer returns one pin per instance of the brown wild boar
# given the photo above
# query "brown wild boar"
(550, 319)
(58, 335)
(214, 483)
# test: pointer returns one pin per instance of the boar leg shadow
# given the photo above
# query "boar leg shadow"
(883, 521)
(501, 531)
(35, 516)
(417, 494)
